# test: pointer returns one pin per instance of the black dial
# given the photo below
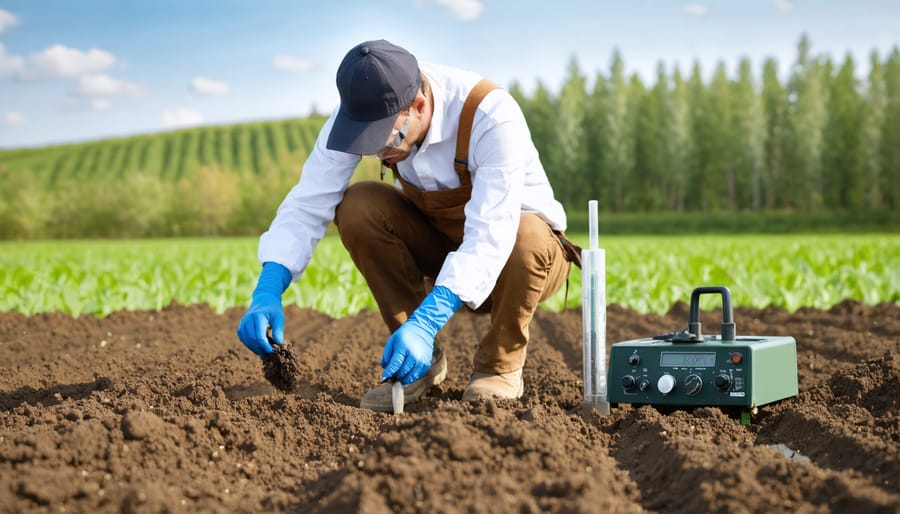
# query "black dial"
(644, 385)
(723, 383)
(692, 385)
(628, 382)
(634, 359)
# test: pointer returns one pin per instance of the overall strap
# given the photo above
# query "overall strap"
(464, 132)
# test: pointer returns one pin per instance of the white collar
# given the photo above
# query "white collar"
(435, 129)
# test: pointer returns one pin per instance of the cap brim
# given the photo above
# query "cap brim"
(359, 137)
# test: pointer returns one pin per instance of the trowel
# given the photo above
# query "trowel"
(397, 398)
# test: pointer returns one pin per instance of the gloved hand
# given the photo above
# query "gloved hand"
(407, 354)
(265, 310)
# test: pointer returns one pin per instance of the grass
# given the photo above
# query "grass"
(644, 273)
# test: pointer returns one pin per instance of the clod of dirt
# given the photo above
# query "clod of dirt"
(137, 425)
(281, 369)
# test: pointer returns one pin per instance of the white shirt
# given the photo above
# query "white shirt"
(507, 180)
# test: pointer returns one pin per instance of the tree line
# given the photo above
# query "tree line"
(824, 139)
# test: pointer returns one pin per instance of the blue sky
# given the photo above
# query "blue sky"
(89, 69)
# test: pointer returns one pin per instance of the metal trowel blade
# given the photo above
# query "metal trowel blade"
(397, 399)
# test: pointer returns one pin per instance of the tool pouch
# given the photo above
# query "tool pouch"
(572, 251)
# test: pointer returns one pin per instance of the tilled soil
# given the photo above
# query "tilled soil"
(167, 412)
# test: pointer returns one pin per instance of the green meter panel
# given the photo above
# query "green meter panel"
(739, 371)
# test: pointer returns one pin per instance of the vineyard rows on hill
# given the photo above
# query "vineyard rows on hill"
(245, 148)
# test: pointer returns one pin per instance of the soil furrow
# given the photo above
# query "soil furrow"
(841, 446)
(173, 414)
(848, 424)
(705, 461)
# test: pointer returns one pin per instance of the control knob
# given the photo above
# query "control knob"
(634, 359)
(692, 384)
(723, 383)
(628, 382)
(665, 384)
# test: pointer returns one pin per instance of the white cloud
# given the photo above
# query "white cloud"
(465, 10)
(14, 118)
(7, 19)
(104, 85)
(181, 117)
(100, 104)
(698, 10)
(62, 61)
(784, 5)
(209, 87)
(295, 64)
(10, 64)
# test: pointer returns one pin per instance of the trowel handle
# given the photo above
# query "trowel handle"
(728, 328)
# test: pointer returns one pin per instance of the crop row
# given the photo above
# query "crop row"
(646, 274)
(245, 148)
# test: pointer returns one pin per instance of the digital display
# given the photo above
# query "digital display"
(687, 360)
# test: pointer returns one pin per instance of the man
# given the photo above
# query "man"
(472, 211)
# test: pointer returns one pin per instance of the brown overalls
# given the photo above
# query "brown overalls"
(398, 238)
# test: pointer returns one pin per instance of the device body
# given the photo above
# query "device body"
(689, 368)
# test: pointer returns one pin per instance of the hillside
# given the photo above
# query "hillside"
(214, 180)
(244, 148)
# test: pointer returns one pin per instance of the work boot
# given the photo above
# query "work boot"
(495, 385)
(379, 398)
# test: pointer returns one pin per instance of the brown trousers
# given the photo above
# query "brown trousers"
(395, 248)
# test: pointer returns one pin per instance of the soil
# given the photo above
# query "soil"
(281, 367)
(166, 411)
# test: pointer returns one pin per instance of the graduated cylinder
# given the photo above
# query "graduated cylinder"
(593, 309)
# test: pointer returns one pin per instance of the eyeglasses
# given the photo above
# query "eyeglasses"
(398, 135)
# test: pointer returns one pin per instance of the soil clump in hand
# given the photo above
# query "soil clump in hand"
(281, 367)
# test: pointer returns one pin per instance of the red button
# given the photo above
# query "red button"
(736, 358)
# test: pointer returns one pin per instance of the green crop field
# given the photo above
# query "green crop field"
(647, 274)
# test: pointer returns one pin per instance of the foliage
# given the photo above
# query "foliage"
(742, 222)
(820, 140)
(647, 274)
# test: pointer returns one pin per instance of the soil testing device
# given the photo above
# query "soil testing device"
(689, 368)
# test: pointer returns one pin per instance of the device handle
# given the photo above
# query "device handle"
(728, 327)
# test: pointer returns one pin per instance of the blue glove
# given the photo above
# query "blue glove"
(407, 354)
(265, 310)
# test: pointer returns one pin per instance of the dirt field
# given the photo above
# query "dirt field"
(167, 412)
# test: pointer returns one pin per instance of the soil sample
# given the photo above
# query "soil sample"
(280, 367)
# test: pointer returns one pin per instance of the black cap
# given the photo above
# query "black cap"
(376, 80)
